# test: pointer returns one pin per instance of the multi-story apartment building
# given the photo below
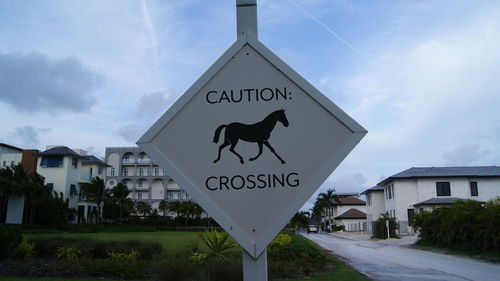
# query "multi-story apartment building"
(63, 169)
(146, 180)
(425, 188)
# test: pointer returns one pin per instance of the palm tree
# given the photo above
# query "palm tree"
(119, 193)
(95, 191)
(325, 200)
(163, 206)
(143, 208)
(175, 207)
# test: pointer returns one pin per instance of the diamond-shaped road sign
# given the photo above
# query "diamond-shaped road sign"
(251, 141)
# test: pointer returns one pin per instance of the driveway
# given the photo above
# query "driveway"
(392, 261)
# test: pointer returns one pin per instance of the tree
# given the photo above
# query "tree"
(163, 206)
(325, 200)
(12, 181)
(95, 191)
(143, 208)
(300, 220)
(119, 194)
(175, 207)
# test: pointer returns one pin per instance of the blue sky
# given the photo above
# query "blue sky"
(420, 76)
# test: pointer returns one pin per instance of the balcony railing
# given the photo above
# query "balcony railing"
(143, 161)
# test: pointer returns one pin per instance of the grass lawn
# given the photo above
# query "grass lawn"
(172, 241)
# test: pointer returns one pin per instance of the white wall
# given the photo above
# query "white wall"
(157, 190)
(10, 156)
(377, 205)
(114, 161)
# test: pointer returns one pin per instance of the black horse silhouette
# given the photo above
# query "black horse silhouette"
(258, 132)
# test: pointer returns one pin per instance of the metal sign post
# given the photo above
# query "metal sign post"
(254, 269)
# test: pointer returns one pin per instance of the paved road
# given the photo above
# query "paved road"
(390, 261)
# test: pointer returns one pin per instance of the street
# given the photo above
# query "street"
(391, 261)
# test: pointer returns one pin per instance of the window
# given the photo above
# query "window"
(50, 186)
(392, 192)
(4, 163)
(443, 189)
(99, 170)
(170, 195)
(473, 189)
(125, 172)
(411, 213)
(111, 182)
(51, 161)
(74, 162)
(149, 171)
(112, 172)
(369, 199)
(73, 191)
(141, 171)
(12, 163)
(389, 191)
(140, 183)
(139, 195)
(125, 158)
(156, 172)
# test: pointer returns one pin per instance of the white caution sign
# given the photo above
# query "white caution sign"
(251, 141)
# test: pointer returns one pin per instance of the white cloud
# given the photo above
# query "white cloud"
(463, 155)
(34, 83)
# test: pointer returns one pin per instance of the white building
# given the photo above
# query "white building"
(11, 156)
(417, 189)
(347, 211)
(64, 169)
(146, 181)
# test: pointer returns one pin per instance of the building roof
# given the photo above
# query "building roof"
(440, 201)
(60, 151)
(349, 200)
(352, 214)
(91, 159)
(11, 146)
(372, 189)
(434, 172)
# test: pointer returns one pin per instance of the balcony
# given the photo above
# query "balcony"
(128, 162)
(145, 161)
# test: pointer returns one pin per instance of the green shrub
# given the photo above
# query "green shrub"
(116, 268)
(10, 239)
(131, 257)
(96, 249)
(176, 268)
(67, 253)
(218, 243)
(25, 250)
(465, 225)
(297, 258)
(381, 227)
